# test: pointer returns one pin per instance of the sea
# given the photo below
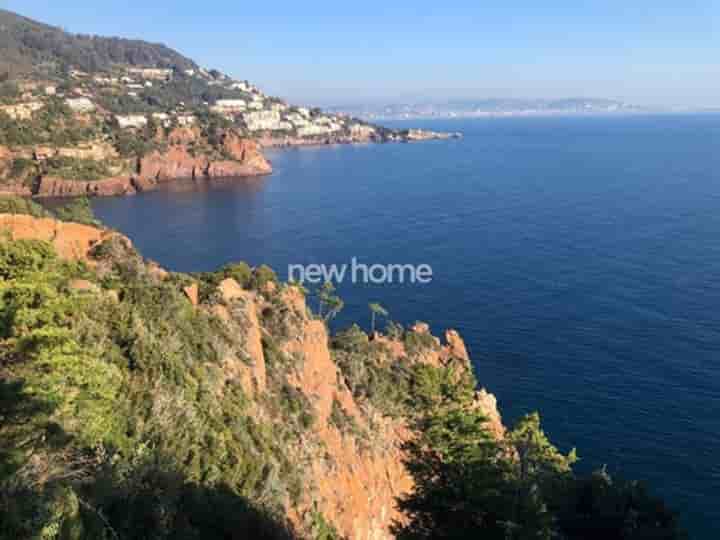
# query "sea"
(579, 257)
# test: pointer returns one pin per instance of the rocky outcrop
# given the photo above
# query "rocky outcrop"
(192, 292)
(487, 403)
(355, 488)
(72, 241)
(247, 152)
(243, 304)
(244, 159)
(177, 162)
(456, 346)
(184, 135)
(50, 186)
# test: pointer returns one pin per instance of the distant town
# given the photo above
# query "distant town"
(488, 108)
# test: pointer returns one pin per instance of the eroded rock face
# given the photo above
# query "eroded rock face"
(175, 163)
(487, 403)
(191, 291)
(456, 346)
(247, 152)
(356, 487)
(50, 186)
(184, 135)
(71, 240)
(241, 304)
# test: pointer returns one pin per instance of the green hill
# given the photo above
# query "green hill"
(30, 47)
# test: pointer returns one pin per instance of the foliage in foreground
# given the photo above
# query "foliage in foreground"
(112, 423)
(469, 485)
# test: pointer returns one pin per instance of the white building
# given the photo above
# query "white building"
(131, 121)
(185, 120)
(81, 104)
(313, 130)
(230, 105)
(266, 120)
(155, 74)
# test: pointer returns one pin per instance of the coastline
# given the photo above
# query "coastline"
(179, 163)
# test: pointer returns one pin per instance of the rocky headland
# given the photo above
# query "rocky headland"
(348, 450)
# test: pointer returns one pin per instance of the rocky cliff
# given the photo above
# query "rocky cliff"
(347, 449)
(239, 157)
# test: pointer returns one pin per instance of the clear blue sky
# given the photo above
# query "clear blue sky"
(335, 52)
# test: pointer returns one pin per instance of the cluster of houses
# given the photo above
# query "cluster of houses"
(258, 112)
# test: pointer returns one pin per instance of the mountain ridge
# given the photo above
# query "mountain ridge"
(27, 44)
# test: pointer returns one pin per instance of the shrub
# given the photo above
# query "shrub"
(240, 272)
(21, 167)
(21, 257)
(78, 211)
(352, 340)
(17, 205)
(76, 168)
(261, 276)
(418, 342)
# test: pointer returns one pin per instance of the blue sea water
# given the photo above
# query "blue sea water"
(579, 258)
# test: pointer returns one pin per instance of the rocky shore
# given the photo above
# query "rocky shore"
(404, 136)
(241, 158)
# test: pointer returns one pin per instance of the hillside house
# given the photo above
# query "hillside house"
(80, 104)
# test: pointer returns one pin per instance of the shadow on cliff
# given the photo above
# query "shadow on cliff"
(48, 488)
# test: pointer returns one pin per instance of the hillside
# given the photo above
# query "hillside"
(79, 114)
(28, 47)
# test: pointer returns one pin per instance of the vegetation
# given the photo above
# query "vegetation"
(113, 422)
(28, 46)
(77, 210)
(470, 485)
(18, 205)
(329, 304)
(54, 124)
(376, 310)
(369, 374)
(76, 168)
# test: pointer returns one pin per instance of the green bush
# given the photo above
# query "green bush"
(262, 275)
(419, 342)
(22, 257)
(76, 168)
(18, 205)
(240, 272)
(78, 211)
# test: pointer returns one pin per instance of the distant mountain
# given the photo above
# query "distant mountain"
(487, 107)
(30, 47)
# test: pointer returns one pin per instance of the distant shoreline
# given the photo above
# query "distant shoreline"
(558, 114)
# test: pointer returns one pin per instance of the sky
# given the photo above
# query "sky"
(340, 53)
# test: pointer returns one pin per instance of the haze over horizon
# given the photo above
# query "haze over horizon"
(648, 53)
